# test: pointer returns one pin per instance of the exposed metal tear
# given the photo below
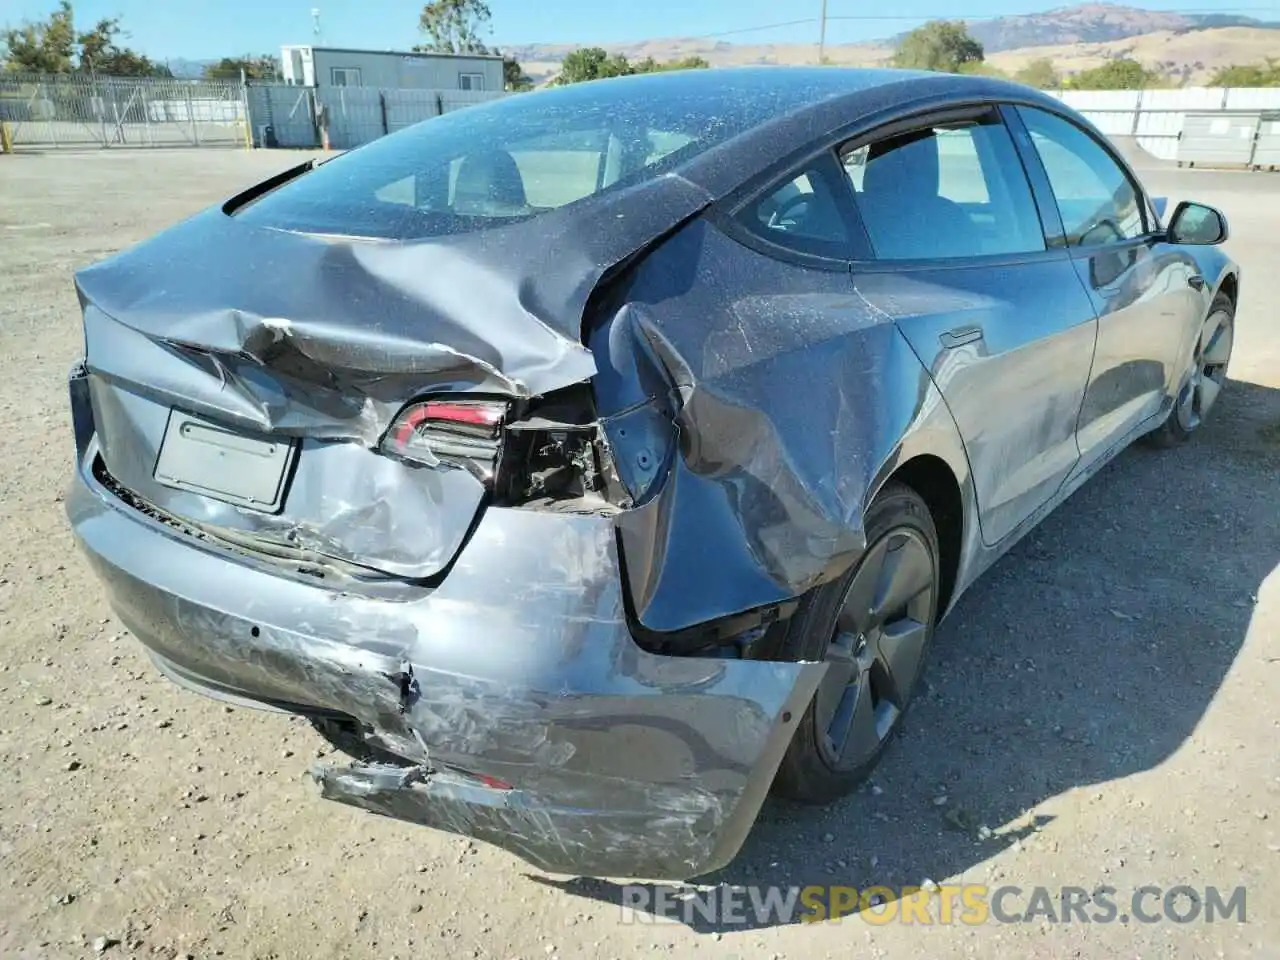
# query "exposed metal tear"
(407, 685)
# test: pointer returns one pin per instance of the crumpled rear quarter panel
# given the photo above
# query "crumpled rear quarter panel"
(784, 395)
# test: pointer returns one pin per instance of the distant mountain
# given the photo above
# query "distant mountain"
(1093, 23)
(1208, 21)
(1088, 23)
(1183, 57)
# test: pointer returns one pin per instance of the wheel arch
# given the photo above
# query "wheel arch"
(1229, 286)
(936, 484)
(930, 458)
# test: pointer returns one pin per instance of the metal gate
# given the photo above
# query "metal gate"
(74, 110)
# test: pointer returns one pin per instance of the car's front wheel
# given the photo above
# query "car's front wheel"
(1207, 375)
(873, 628)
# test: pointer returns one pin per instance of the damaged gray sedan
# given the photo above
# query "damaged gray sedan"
(595, 460)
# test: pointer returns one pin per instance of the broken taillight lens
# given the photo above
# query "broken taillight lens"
(455, 433)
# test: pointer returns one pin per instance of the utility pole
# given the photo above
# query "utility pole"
(822, 34)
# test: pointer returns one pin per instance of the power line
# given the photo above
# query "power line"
(767, 26)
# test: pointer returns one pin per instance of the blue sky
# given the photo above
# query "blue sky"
(208, 28)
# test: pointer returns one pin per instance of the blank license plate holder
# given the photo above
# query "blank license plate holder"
(222, 462)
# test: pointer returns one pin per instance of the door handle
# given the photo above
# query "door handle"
(1196, 281)
(959, 337)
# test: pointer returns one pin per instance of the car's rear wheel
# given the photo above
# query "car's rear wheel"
(1204, 381)
(873, 627)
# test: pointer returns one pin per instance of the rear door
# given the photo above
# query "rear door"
(1141, 287)
(956, 254)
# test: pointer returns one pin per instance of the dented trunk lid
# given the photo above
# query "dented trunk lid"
(317, 343)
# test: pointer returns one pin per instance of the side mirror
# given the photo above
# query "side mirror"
(1197, 224)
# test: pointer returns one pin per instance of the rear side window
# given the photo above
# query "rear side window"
(946, 191)
(802, 214)
(1098, 202)
(519, 157)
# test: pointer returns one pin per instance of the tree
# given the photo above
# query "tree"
(1248, 75)
(649, 65)
(99, 53)
(264, 67)
(513, 76)
(943, 45)
(594, 63)
(53, 46)
(46, 47)
(454, 26)
(591, 63)
(1123, 74)
(1039, 74)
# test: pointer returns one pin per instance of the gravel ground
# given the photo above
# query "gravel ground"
(1105, 700)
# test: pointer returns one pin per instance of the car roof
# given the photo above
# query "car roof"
(789, 109)
(776, 92)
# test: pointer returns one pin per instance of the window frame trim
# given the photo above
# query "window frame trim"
(1151, 230)
(727, 215)
(724, 214)
(1055, 231)
(473, 74)
(986, 110)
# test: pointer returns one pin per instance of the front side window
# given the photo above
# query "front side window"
(954, 190)
(345, 76)
(1098, 202)
(471, 81)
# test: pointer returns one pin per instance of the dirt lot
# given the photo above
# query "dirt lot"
(1106, 701)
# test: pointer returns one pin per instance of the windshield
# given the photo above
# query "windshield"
(520, 156)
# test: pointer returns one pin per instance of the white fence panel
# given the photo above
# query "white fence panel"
(1196, 99)
(1109, 100)
(1253, 98)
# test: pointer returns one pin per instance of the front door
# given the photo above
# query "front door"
(958, 258)
(1140, 286)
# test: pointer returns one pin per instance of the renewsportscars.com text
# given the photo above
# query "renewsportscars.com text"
(969, 904)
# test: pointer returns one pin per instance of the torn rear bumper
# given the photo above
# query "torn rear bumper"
(622, 763)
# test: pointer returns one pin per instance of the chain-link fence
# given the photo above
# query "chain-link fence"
(75, 110)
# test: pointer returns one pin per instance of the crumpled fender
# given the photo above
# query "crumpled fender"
(771, 400)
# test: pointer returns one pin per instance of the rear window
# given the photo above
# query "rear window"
(510, 160)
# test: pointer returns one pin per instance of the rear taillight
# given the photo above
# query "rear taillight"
(466, 434)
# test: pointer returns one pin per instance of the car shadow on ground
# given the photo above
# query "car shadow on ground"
(1088, 653)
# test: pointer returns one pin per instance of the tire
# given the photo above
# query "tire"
(1208, 362)
(903, 542)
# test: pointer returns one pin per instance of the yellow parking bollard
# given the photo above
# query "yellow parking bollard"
(6, 137)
